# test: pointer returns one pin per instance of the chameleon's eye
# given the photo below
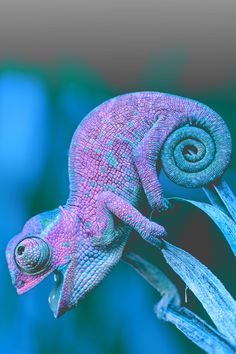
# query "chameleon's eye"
(32, 255)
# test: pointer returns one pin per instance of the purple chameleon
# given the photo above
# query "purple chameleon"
(115, 157)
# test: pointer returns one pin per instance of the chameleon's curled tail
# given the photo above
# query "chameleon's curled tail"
(199, 150)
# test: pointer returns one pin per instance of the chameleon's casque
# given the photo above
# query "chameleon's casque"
(115, 157)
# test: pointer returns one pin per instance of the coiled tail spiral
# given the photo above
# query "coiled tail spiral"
(198, 151)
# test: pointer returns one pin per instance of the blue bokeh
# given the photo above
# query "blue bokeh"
(36, 126)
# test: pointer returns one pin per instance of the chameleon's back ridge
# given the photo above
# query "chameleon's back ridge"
(193, 145)
(115, 158)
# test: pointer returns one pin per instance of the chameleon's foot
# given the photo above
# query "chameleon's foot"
(157, 209)
(153, 233)
(167, 204)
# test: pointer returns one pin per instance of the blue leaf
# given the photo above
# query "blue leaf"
(224, 222)
(168, 309)
(216, 300)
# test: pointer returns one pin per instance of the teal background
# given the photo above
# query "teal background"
(57, 62)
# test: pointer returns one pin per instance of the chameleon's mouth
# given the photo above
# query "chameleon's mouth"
(57, 301)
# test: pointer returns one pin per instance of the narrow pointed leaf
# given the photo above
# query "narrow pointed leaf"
(221, 196)
(168, 309)
(216, 300)
(198, 331)
(155, 277)
(224, 222)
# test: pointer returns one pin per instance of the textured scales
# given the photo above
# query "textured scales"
(115, 156)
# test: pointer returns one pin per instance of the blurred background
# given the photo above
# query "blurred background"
(58, 60)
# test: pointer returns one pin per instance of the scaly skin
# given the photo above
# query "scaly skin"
(115, 157)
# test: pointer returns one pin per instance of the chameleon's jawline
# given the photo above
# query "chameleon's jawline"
(56, 295)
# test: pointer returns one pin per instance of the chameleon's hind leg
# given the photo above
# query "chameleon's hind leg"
(110, 204)
(147, 161)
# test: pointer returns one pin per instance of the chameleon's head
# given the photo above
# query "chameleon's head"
(56, 241)
(47, 243)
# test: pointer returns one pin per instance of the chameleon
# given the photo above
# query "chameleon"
(115, 158)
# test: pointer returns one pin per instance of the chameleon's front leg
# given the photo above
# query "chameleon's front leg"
(110, 204)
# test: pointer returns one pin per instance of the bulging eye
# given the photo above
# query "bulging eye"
(32, 255)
